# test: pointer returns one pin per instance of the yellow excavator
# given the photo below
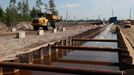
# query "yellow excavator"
(44, 19)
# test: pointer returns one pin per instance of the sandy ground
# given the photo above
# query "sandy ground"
(128, 34)
(10, 46)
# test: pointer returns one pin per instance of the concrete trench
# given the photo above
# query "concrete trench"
(53, 54)
(46, 53)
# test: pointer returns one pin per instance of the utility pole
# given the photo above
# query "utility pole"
(66, 16)
(130, 13)
(112, 13)
(98, 17)
(74, 18)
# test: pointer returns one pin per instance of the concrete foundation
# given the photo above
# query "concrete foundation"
(40, 32)
(13, 30)
(21, 34)
(54, 30)
(63, 29)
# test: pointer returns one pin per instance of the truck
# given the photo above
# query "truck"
(127, 24)
(112, 19)
(44, 19)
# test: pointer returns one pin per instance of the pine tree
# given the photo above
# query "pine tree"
(19, 7)
(10, 20)
(52, 7)
(39, 3)
(46, 8)
(34, 12)
(23, 11)
(12, 3)
(11, 14)
(1, 13)
(25, 7)
(12, 6)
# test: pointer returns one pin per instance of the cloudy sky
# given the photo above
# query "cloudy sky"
(90, 9)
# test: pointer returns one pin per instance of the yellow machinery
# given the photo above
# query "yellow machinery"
(43, 20)
(53, 19)
(127, 24)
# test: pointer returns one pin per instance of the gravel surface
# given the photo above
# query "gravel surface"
(129, 40)
(10, 46)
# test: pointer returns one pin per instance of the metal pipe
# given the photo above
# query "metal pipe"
(57, 69)
(98, 40)
(89, 48)
(88, 62)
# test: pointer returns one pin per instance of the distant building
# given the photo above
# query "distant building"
(113, 20)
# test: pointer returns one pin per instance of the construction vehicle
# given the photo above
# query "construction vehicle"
(44, 19)
(127, 24)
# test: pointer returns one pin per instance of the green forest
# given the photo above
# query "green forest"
(19, 11)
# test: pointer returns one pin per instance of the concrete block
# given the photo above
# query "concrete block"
(63, 29)
(40, 32)
(21, 34)
(13, 30)
(54, 30)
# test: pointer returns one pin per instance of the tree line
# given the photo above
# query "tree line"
(19, 11)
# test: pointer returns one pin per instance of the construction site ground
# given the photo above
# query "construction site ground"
(129, 39)
(11, 46)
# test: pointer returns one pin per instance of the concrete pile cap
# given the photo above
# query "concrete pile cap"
(13, 30)
(63, 29)
(54, 30)
(40, 32)
(21, 34)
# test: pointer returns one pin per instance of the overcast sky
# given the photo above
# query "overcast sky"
(90, 9)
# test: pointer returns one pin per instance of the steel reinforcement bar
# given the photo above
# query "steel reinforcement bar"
(57, 69)
(98, 40)
(84, 48)
(87, 62)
